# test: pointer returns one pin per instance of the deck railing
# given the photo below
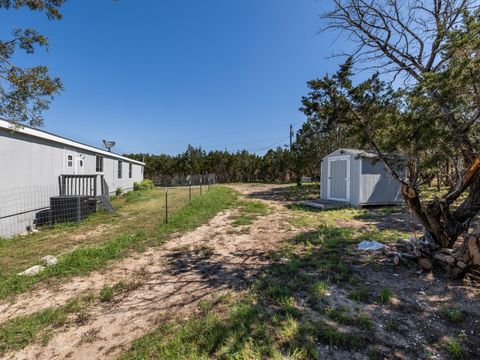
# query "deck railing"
(82, 185)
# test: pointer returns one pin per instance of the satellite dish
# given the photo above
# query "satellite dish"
(109, 144)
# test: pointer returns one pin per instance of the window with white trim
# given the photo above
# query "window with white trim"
(70, 160)
(99, 162)
(120, 172)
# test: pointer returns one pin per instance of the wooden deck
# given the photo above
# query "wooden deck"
(86, 185)
(323, 204)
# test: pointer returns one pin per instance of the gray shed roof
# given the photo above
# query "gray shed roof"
(357, 152)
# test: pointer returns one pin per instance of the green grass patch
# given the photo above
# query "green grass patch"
(454, 348)
(373, 353)
(341, 315)
(359, 294)
(451, 314)
(335, 337)
(249, 211)
(385, 296)
(390, 325)
(108, 292)
(304, 192)
(19, 332)
(319, 289)
(208, 336)
(84, 260)
(247, 331)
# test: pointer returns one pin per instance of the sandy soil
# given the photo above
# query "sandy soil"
(173, 278)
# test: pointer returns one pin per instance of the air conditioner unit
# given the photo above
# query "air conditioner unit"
(71, 208)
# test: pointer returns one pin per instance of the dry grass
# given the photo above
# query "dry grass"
(145, 210)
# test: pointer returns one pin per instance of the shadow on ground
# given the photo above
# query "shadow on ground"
(316, 297)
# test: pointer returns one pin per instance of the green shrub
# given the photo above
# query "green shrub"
(143, 185)
(119, 191)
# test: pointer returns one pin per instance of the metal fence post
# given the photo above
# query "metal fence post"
(166, 205)
(201, 193)
(190, 191)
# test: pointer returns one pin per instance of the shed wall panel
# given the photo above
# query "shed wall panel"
(323, 179)
(378, 186)
(354, 180)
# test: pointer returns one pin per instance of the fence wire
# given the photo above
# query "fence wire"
(24, 210)
(184, 180)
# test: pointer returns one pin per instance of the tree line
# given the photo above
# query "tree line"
(240, 166)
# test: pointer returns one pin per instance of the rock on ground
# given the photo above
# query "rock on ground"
(34, 270)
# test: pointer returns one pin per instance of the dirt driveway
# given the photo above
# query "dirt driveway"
(172, 279)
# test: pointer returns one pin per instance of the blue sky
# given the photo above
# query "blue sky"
(157, 75)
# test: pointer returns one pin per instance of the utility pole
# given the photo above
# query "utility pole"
(291, 136)
(291, 141)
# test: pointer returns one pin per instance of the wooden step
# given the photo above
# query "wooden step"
(106, 204)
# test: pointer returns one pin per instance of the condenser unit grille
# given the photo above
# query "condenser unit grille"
(71, 208)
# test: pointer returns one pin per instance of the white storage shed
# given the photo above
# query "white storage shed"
(359, 178)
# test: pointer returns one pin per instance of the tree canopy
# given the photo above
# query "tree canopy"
(25, 92)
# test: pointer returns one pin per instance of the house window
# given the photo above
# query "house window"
(99, 165)
(70, 161)
(130, 171)
(120, 164)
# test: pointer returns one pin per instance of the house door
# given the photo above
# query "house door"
(69, 162)
(80, 170)
(339, 178)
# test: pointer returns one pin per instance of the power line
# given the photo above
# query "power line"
(261, 148)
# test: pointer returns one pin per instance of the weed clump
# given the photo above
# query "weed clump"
(385, 296)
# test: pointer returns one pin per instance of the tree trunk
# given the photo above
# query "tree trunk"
(442, 226)
(471, 250)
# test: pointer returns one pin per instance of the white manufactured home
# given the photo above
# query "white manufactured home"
(358, 178)
(37, 165)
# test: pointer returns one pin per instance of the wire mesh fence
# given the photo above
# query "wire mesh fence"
(196, 185)
(20, 208)
(184, 180)
(23, 210)
(27, 209)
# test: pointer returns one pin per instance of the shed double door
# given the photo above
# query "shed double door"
(339, 178)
